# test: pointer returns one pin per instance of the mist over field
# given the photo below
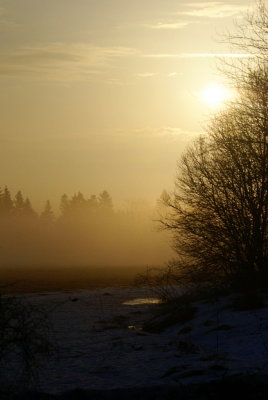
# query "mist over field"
(85, 232)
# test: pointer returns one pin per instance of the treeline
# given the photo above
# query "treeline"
(85, 232)
(77, 204)
(14, 207)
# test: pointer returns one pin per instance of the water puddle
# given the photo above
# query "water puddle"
(142, 300)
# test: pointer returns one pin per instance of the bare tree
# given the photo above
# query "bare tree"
(218, 212)
(251, 32)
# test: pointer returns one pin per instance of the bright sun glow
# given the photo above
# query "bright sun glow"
(215, 95)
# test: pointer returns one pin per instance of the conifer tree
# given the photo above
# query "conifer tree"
(48, 215)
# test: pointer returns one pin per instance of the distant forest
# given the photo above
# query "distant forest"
(77, 204)
(86, 232)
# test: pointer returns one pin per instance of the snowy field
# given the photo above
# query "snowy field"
(101, 344)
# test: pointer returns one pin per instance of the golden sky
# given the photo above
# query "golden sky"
(104, 94)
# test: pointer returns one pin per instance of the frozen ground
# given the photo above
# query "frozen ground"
(101, 344)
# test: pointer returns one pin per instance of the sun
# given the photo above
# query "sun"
(215, 95)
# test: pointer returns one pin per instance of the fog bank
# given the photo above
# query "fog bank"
(87, 232)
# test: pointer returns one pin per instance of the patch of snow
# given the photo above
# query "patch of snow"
(101, 344)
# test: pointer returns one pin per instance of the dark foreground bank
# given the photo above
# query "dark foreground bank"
(246, 387)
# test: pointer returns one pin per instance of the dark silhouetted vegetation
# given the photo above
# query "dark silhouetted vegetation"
(218, 212)
(24, 342)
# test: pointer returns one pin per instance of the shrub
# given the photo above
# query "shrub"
(24, 341)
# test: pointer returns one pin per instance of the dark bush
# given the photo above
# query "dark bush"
(24, 342)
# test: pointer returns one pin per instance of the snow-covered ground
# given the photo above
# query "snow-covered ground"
(101, 344)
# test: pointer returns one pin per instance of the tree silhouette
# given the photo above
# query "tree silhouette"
(79, 206)
(64, 205)
(19, 203)
(6, 202)
(28, 209)
(47, 215)
(105, 200)
(218, 212)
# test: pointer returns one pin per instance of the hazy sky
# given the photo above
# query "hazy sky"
(104, 94)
